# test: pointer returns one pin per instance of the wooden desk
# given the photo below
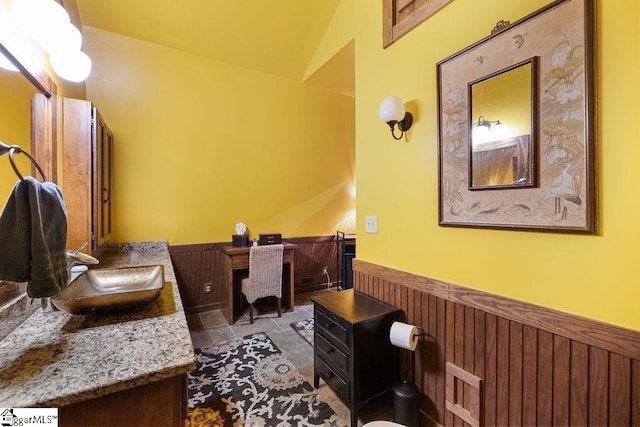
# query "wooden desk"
(237, 259)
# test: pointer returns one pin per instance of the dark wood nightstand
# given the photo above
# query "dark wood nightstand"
(352, 351)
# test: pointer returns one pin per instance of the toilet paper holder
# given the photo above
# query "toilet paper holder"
(406, 393)
(406, 336)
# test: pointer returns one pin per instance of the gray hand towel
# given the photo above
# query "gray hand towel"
(33, 238)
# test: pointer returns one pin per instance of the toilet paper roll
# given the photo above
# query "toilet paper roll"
(404, 336)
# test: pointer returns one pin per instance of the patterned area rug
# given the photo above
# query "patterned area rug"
(305, 329)
(249, 382)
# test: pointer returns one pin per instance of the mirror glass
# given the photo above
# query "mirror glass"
(29, 125)
(15, 126)
(502, 138)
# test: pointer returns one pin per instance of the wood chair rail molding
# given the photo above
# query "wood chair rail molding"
(401, 16)
(591, 332)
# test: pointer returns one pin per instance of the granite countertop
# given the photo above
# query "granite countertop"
(56, 359)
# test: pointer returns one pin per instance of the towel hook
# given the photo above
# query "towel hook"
(12, 149)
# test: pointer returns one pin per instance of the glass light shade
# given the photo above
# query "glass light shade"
(68, 37)
(28, 53)
(391, 109)
(39, 19)
(480, 135)
(74, 66)
(499, 132)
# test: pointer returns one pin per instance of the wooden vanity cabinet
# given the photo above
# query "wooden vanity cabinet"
(160, 403)
(87, 179)
(352, 350)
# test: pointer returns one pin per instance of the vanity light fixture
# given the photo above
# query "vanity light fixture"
(45, 24)
(392, 113)
(488, 130)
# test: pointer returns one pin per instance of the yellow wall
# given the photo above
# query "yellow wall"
(594, 276)
(15, 127)
(201, 145)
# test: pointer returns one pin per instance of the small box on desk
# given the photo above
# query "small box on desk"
(240, 240)
(270, 239)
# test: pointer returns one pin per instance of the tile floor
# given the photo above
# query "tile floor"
(211, 327)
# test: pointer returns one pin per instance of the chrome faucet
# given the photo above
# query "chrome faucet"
(74, 258)
(78, 258)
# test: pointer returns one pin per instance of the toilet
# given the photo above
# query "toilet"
(382, 424)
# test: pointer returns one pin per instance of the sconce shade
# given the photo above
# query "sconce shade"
(392, 113)
(484, 131)
(391, 109)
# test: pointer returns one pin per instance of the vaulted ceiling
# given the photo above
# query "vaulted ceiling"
(274, 36)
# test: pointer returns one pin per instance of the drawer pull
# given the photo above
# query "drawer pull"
(331, 350)
(329, 374)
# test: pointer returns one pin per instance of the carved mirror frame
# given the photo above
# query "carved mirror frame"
(561, 37)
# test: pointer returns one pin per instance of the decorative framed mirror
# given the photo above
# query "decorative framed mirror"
(516, 122)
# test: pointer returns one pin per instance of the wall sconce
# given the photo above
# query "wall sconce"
(392, 113)
(483, 131)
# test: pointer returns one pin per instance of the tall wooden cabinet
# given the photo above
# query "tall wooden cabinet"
(88, 175)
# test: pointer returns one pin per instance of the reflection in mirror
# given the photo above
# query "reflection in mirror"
(502, 162)
(15, 125)
(502, 141)
(27, 115)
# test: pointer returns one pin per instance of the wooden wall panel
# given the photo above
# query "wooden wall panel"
(529, 375)
(313, 253)
(198, 264)
(195, 265)
(635, 392)
(536, 366)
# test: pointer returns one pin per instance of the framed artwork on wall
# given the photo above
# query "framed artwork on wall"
(401, 16)
(516, 143)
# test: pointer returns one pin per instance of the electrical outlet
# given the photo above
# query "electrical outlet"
(207, 288)
(371, 224)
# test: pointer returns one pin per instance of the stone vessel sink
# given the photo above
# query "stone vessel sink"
(106, 290)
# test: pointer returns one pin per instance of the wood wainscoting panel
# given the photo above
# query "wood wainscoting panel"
(313, 253)
(198, 264)
(537, 366)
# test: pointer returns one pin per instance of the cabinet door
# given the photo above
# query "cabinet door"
(103, 152)
(107, 181)
(78, 169)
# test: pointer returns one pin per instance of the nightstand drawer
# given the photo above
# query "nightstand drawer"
(331, 354)
(337, 384)
(332, 328)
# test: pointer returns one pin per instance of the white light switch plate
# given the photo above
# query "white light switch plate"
(371, 224)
